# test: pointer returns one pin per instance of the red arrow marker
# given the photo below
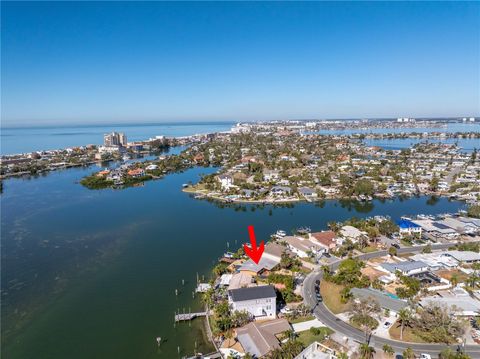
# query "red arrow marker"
(255, 253)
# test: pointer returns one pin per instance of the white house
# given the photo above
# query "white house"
(303, 247)
(259, 301)
(352, 233)
(406, 268)
(226, 181)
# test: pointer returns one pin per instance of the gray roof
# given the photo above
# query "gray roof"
(404, 266)
(265, 263)
(241, 294)
(382, 298)
(259, 338)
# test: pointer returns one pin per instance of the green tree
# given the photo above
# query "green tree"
(366, 351)
(408, 353)
(474, 211)
(388, 350)
(404, 318)
(392, 251)
(362, 314)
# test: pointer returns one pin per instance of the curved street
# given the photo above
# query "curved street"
(332, 321)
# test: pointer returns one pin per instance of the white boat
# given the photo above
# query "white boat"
(126, 157)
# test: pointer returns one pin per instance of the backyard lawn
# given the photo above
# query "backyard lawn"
(307, 337)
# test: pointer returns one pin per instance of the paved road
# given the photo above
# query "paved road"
(345, 329)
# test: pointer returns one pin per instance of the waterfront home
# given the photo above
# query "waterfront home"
(263, 267)
(352, 233)
(409, 228)
(151, 167)
(136, 172)
(307, 192)
(259, 301)
(274, 251)
(303, 247)
(259, 339)
(326, 239)
(280, 190)
(226, 181)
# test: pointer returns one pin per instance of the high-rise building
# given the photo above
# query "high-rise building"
(114, 139)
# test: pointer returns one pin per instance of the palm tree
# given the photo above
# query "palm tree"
(366, 351)
(454, 279)
(408, 354)
(388, 350)
(404, 317)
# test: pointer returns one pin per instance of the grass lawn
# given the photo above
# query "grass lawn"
(302, 319)
(331, 297)
(408, 335)
(369, 249)
(307, 337)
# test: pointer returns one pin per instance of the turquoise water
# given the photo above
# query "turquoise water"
(28, 139)
(392, 295)
(92, 274)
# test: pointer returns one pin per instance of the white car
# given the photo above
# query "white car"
(425, 356)
(286, 310)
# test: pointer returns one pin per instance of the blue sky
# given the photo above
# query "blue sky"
(65, 62)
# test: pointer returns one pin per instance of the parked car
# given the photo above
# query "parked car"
(387, 325)
(425, 356)
(396, 245)
(286, 310)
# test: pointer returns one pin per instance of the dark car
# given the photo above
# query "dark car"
(317, 282)
(396, 245)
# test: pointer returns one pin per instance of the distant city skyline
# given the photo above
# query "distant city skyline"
(66, 63)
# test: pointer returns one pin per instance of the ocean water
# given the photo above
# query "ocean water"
(28, 139)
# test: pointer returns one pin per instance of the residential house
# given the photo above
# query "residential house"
(259, 339)
(303, 247)
(226, 181)
(409, 228)
(407, 268)
(352, 233)
(326, 239)
(259, 301)
(136, 172)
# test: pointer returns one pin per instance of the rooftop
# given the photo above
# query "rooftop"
(382, 298)
(260, 292)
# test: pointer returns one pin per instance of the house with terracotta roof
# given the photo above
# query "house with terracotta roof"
(326, 239)
(136, 172)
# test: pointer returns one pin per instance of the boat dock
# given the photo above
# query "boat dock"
(189, 316)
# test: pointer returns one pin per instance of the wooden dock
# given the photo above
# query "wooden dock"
(189, 316)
